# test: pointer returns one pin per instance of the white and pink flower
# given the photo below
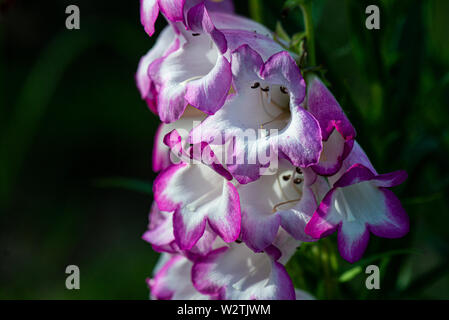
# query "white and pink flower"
(358, 204)
(268, 96)
(199, 195)
(253, 157)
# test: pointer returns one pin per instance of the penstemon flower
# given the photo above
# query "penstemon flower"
(197, 70)
(254, 157)
(236, 272)
(285, 199)
(268, 96)
(199, 195)
(359, 203)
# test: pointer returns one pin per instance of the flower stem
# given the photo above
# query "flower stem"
(306, 7)
(255, 10)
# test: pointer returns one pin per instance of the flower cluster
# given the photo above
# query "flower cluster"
(254, 158)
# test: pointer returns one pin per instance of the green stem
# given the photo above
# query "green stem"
(255, 10)
(306, 7)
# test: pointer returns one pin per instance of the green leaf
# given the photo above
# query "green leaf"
(255, 10)
(125, 183)
(391, 253)
(357, 267)
(350, 274)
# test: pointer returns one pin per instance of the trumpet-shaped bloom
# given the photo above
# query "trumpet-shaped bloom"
(198, 194)
(359, 203)
(247, 275)
(236, 272)
(267, 100)
(199, 72)
(165, 44)
(161, 236)
(285, 199)
(253, 160)
(160, 231)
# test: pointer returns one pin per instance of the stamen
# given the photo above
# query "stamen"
(298, 170)
(195, 34)
(190, 79)
(297, 180)
(283, 90)
(285, 202)
(287, 177)
(266, 89)
(255, 85)
(262, 101)
(281, 116)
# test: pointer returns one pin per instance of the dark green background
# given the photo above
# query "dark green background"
(76, 140)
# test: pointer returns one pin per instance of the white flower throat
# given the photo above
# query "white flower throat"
(289, 186)
(274, 102)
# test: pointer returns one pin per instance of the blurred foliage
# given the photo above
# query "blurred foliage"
(76, 142)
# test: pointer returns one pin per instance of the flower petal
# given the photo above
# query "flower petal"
(281, 69)
(227, 224)
(188, 226)
(294, 221)
(252, 125)
(259, 229)
(394, 223)
(357, 205)
(325, 108)
(149, 10)
(352, 241)
(209, 93)
(334, 125)
(223, 6)
(198, 194)
(325, 220)
(161, 156)
(300, 141)
(332, 156)
(160, 232)
(199, 20)
(238, 273)
(172, 9)
(172, 281)
(195, 73)
(165, 44)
